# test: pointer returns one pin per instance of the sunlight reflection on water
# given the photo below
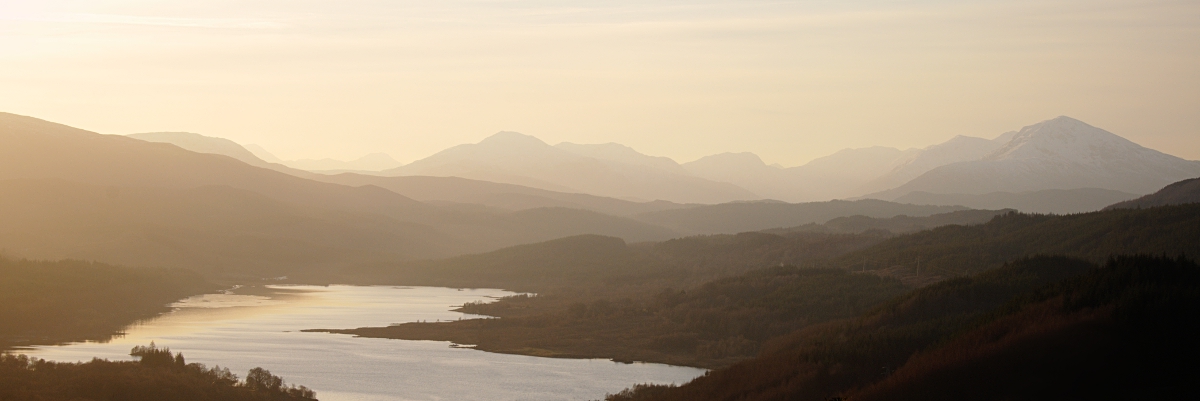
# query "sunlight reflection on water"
(244, 331)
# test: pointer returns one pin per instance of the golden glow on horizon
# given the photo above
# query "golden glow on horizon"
(789, 81)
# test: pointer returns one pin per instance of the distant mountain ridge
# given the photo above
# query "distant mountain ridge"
(370, 162)
(957, 149)
(836, 176)
(44, 165)
(509, 197)
(514, 158)
(1085, 165)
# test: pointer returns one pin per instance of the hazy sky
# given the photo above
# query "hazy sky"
(789, 80)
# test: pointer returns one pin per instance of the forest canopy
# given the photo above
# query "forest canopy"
(157, 375)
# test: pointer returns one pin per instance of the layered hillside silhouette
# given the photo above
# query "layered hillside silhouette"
(731, 218)
(711, 301)
(1060, 165)
(119, 199)
(1058, 201)
(1183, 192)
(1039, 328)
(444, 190)
(70, 193)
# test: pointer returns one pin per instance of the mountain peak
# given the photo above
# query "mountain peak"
(1059, 153)
(1062, 124)
(1063, 138)
(731, 158)
(510, 138)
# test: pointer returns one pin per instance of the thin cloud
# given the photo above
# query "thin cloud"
(218, 23)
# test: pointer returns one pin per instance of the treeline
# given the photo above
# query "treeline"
(589, 261)
(681, 301)
(944, 252)
(711, 326)
(52, 302)
(157, 375)
(1038, 328)
(952, 251)
(897, 225)
(710, 301)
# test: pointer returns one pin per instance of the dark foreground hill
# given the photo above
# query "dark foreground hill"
(52, 302)
(712, 300)
(952, 251)
(1042, 328)
(1186, 191)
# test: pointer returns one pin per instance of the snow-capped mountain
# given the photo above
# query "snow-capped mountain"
(1061, 153)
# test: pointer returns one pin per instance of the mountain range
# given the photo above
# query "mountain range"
(1061, 165)
(186, 200)
(606, 170)
(120, 199)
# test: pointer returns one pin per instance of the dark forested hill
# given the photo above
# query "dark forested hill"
(1057, 201)
(1125, 330)
(711, 300)
(591, 260)
(51, 302)
(730, 218)
(901, 224)
(962, 250)
(710, 326)
(1040, 328)
(1186, 191)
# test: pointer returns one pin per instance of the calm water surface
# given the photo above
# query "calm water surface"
(245, 331)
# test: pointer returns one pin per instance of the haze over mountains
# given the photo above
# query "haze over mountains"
(1060, 165)
(183, 199)
(1093, 166)
(606, 170)
(71, 193)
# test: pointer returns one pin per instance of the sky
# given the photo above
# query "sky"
(787, 80)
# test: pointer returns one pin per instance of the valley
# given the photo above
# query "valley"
(663, 285)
